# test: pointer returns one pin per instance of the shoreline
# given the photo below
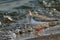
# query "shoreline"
(49, 37)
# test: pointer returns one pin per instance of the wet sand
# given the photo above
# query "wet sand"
(50, 37)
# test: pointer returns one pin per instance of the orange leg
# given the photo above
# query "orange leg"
(39, 29)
